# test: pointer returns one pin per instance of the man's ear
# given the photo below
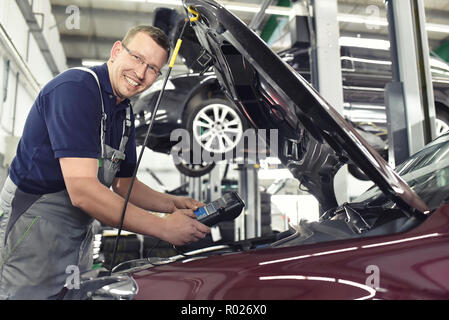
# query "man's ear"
(115, 50)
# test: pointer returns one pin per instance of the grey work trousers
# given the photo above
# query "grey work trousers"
(43, 238)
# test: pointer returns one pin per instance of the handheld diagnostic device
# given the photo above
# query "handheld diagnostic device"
(226, 208)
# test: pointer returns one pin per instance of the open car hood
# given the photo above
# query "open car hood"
(314, 139)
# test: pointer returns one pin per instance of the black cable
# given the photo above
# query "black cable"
(150, 126)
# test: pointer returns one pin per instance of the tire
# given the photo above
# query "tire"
(128, 249)
(441, 121)
(154, 247)
(126, 244)
(265, 219)
(265, 197)
(215, 126)
(266, 230)
(194, 170)
(119, 258)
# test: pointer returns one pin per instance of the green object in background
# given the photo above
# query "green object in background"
(97, 266)
(100, 162)
(443, 51)
(273, 22)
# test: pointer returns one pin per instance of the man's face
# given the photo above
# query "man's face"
(133, 69)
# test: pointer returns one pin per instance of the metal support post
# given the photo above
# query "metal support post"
(194, 188)
(328, 77)
(239, 222)
(213, 191)
(249, 191)
(214, 187)
(409, 97)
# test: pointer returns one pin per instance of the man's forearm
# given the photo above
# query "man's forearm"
(145, 197)
(88, 194)
(106, 206)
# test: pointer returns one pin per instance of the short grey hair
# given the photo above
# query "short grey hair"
(155, 33)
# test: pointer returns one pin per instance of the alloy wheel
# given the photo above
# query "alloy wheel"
(217, 128)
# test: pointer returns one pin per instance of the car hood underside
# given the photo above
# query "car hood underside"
(314, 140)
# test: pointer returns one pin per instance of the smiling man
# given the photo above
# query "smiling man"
(78, 142)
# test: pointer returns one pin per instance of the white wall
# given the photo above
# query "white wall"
(14, 107)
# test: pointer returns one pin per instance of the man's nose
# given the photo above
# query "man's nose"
(141, 70)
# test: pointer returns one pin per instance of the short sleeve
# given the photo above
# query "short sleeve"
(72, 113)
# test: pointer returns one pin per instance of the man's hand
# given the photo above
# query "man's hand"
(186, 203)
(181, 228)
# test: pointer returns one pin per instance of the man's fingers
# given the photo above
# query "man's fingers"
(198, 204)
(187, 212)
(202, 228)
(198, 225)
(187, 203)
(185, 227)
(193, 204)
(200, 235)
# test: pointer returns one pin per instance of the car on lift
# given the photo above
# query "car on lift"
(389, 243)
(196, 101)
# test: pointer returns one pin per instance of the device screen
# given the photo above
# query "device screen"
(205, 211)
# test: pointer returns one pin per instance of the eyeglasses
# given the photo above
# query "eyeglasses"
(152, 70)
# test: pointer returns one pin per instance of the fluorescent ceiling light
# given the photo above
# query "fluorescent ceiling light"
(437, 28)
(364, 43)
(439, 64)
(232, 6)
(351, 18)
(362, 60)
(287, 11)
(382, 22)
(281, 11)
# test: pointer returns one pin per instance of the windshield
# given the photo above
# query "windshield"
(426, 172)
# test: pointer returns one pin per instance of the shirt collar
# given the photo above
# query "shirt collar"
(103, 76)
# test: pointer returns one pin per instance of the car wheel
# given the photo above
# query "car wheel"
(441, 121)
(194, 170)
(216, 127)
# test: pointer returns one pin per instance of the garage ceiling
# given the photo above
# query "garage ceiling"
(104, 21)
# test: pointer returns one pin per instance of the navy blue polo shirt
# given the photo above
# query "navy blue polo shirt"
(64, 121)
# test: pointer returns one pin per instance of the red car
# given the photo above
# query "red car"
(389, 243)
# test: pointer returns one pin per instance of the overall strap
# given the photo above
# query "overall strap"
(126, 129)
(126, 122)
(103, 114)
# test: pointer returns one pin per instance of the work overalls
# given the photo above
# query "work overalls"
(44, 239)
